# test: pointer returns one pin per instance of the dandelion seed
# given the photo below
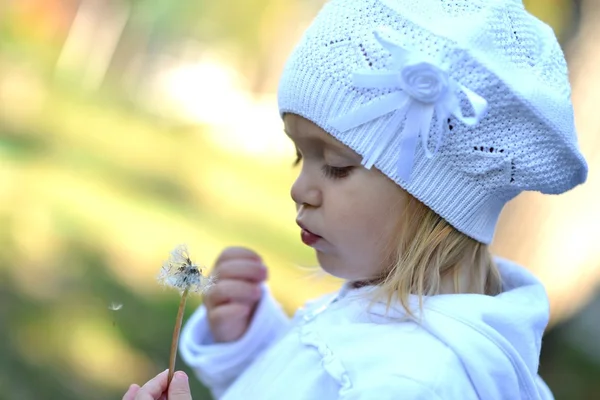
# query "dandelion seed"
(181, 273)
(115, 306)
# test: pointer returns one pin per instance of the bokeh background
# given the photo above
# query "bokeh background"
(128, 127)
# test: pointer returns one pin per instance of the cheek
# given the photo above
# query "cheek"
(373, 215)
(369, 223)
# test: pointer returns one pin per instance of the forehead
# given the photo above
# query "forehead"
(303, 131)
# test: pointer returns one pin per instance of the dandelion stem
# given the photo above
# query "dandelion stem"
(175, 341)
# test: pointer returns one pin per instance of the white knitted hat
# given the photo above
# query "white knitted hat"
(462, 103)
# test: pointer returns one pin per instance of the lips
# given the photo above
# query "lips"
(307, 236)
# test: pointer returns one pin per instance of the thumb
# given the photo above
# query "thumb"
(179, 389)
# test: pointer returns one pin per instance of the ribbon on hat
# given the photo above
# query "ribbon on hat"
(425, 89)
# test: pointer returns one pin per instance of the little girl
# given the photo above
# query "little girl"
(415, 123)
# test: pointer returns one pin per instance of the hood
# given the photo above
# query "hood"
(498, 338)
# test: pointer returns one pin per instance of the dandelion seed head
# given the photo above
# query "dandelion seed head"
(181, 273)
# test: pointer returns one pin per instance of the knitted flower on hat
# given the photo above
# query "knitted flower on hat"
(464, 104)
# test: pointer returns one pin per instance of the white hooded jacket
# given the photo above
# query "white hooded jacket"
(343, 347)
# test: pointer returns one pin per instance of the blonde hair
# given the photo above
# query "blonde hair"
(432, 257)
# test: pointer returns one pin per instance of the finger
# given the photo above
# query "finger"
(232, 253)
(179, 389)
(131, 392)
(230, 290)
(154, 388)
(228, 312)
(253, 271)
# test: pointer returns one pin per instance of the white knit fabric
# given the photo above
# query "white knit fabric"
(525, 141)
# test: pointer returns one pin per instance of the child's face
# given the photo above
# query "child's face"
(350, 215)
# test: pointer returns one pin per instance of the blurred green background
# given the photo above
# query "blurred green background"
(129, 127)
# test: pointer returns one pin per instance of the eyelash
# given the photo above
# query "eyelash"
(336, 172)
(328, 170)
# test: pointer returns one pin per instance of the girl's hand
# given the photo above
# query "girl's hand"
(154, 389)
(231, 302)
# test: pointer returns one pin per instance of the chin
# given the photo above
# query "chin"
(337, 267)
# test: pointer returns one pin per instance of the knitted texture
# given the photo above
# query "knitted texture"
(525, 141)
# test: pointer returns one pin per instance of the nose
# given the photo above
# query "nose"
(305, 190)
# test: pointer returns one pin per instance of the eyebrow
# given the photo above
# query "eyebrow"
(331, 144)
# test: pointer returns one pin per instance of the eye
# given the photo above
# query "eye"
(336, 172)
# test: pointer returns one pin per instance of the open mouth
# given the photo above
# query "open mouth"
(308, 238)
